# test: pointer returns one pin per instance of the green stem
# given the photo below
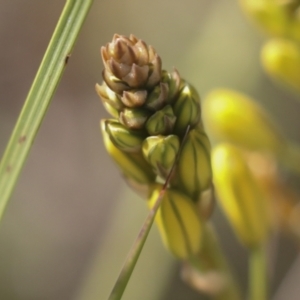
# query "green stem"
(258, 283)
(211, 258)
(40, 94)
(134, 253)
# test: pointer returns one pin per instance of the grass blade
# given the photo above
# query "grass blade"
(40, 94)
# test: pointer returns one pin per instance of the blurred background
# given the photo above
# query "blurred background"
(71, 220)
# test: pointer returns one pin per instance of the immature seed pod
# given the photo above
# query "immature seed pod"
(239, 195)
(193, 174)
(281, 61)
(123, 138)
(178, 222)
(234, 117)
(160, 152)
(133, 165)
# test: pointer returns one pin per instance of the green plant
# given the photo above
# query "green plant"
(173, 131)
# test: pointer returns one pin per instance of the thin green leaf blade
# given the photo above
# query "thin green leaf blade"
(40, 95)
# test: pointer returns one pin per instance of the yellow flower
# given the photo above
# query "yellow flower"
(281, 60)
(234, 117)
(279, 18)
(239, 195)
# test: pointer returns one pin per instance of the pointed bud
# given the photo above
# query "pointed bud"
(173, 82)
(133, 165)
(111, 110)
(186, 108)
(124, 139)
(108, 96)
(134, 98)
(233, 117)
(160, 152)
(239, 195)
(281, 60)
(161, 122)
(193, 174)
(134, 118)
(158, 97)
(178, 223)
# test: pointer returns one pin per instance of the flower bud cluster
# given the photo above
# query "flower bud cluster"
(152, 110)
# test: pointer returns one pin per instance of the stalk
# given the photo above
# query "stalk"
(258, 282)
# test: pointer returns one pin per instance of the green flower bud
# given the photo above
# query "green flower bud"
(178, 223)
(134, 118)
(186, 108)
(109, 97)
(239, 195)
(123, 138)
(161, 122)
(160, 152)
(234, 117)
(111, 110)
(133, 165)
(193, 174)
(134, 98)
(173, 81)
(281, 60)
(158, 97)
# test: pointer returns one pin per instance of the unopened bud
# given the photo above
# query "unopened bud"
(234, 117)
(173, 82)
(240, 195)
(123, 138)
(110, 99)
(158, 97)
(133, 165)
(193, 174)
(281, 60)
(161, 152)
(134, 118)
(178, 223)
(134, 98)
(186, 108)
(161, 122)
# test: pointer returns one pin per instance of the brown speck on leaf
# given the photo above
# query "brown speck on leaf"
(8, 168)
(22, 139)
(67, 58)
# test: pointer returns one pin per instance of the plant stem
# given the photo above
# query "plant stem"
(210, 259)
(40, 94)
(258, 282)
(134, 253)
